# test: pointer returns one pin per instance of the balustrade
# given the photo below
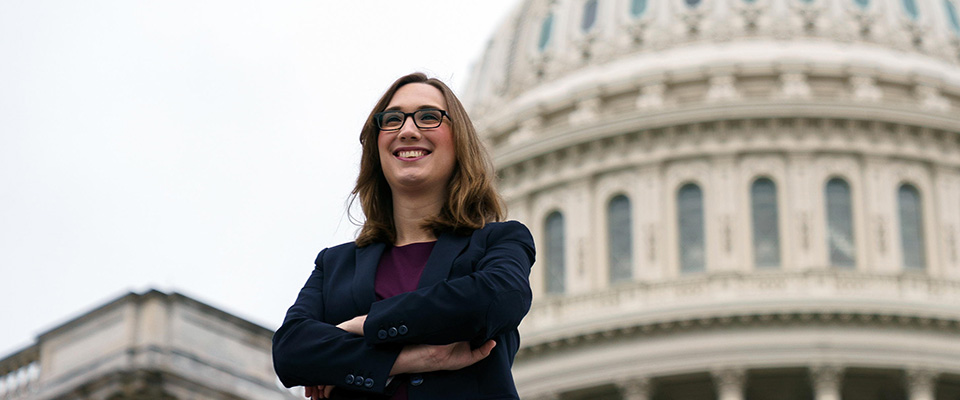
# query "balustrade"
(20, 374)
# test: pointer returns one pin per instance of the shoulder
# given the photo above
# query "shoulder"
(332, 255)
(509, 230)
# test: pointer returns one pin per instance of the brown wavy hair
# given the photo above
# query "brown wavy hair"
(471, 200)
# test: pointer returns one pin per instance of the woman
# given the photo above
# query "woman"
(425, 303)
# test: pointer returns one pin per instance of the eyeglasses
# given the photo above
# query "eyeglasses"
(427, 118)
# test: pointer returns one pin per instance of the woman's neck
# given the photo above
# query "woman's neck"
(409, 212)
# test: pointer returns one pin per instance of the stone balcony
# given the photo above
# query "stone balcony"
(725, 298)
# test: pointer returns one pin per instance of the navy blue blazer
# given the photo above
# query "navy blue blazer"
(473, 288)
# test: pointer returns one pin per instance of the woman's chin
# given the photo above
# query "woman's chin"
(410, 183)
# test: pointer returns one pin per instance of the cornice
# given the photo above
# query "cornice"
(571, 135)
(727, 300)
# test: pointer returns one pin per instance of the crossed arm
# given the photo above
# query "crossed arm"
(415, 358)
(451, 323)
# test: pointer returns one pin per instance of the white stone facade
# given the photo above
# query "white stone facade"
(146, 346)
(721, 93)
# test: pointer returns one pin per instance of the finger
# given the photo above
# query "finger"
(308, 391)
(327, 390)
(486, 348)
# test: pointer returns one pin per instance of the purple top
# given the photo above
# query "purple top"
(400, 268)
(399, 272)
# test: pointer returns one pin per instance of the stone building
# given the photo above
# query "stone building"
(732, 199)
(151, 346)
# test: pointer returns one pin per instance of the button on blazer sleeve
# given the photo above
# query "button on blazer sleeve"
(308, 351)
(476, 307)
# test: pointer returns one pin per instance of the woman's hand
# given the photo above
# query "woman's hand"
(317, 392)
(354, 325)
(427, 358)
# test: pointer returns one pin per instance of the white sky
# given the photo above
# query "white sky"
(203, 147)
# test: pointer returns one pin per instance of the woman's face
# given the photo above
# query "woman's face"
(417, 160)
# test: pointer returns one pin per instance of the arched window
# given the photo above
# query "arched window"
(556, 265)
(840, 224)
(766, 232)
(638, 7)
(692, 3)
(910, 6)
(589, 15)
(863, 4)
(911, 227)
(620, 239)
(545, 28)
(952, 16)
(690, 222)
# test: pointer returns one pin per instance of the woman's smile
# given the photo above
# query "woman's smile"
(410, 153)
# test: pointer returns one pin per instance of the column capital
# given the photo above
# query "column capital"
(548, 396)
(638, 388)
(826, 381)
(921, 383)
(730, 382)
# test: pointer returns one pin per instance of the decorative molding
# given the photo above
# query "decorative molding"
(778, 298)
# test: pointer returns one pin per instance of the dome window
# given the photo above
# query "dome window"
(556, 265)
(589, 15)
(619, 239)
(911, 227)
(952, 16)
(638, 7)
(545, 28)
(863, 4)
(766, 232)
(692, 3)
(910, 6)
(840, 224)
(690, 221)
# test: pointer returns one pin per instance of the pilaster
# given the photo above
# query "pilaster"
(921, 384)
(635, 389)
(730, 383)
(826, 382)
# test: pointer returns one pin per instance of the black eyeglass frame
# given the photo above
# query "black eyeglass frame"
(378, 118)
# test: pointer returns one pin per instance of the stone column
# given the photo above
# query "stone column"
(921, 384)
(635, 389)
(548, 396)
(826, 382)
(729, 383)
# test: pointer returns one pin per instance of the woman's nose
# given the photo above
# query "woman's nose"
(409, 130)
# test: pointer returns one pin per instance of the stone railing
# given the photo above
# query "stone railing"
(20, 374)
(733, 294)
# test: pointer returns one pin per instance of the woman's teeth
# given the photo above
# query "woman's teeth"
(411, 153)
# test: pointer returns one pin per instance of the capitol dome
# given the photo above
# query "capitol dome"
(732, 199)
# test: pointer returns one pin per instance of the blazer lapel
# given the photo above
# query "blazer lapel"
(365, 274)
(438, 266)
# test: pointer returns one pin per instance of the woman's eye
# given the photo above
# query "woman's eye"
(429, 117)
(392, 119)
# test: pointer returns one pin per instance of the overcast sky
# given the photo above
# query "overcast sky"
(201, 147)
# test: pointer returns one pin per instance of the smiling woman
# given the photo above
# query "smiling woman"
(426, 302)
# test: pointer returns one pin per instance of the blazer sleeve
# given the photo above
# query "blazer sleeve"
(308, 351)
(476, 307)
